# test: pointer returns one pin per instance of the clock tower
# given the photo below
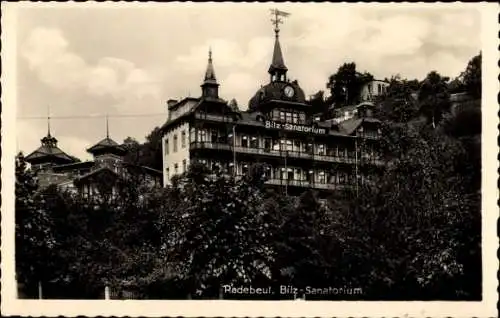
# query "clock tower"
(277, 69)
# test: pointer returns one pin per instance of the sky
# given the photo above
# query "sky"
(86, 62)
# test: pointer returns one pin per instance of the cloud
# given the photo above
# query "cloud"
(48, 54)
(227, 55)
(136, 66)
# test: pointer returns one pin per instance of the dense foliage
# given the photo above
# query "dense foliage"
(415, 235)
(345, 85)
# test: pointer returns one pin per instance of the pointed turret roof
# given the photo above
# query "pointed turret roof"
(277, 63)
(210, 73)
(48, 152)
(107, 145)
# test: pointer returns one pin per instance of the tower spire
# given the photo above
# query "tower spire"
(277, 70)
(48, 140)
(210, 87)
(107, 127)
(48, 121)
(210, 73)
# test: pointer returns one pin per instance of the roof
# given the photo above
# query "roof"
(95, 172)
(349, 126)
(210, 72)
(274, 91)
(74, 166)
(148, 169)
(277, 62)
(49, 150)
(107, 144)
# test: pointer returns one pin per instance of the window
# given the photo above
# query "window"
(244, 169)
(302, 118)
(379, 88)
(267, 143)
(267, 172)
(333, 178)
(184, 165)
(342, 178)
(341, 152)
(166, 146)
(295, 118)
(183, 139)
(254, 142)
(310, 176)
(276, 114)
(288, 117)
(176, 168)
(276, 145)
(282, 116)
(321, 150)
(282, 144)
(175, 143)
(290, 174)
(289, 145)
(282, 174)
(309, 148)
(321, 177)
(192, 134)
(202, 133)
(214, 136)
(244, 141)
(296, 145)
(167, 173)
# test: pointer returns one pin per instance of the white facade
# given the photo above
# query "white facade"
(373, 89)
(175, 149)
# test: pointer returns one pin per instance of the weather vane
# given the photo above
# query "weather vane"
(277, 14)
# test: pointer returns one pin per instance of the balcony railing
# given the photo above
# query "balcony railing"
(210, 145)
(218, 118)
(284, 153)
(307, 184)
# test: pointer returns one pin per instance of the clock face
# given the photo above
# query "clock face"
(289, 91)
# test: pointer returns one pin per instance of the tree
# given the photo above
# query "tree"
(398, 103)
(434, 98)
(233, 104)
(420, 225)
(133, 147)
(149, 153)
(219, 233)
(96, 238)
(298, 248)
(472, 77)
(318, 103)
(34, 239)
(345, 85)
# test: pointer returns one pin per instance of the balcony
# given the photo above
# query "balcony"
(307, 184)
(284, 153)
(211, 117)
(209, 145)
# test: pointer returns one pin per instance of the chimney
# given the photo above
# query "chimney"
(171, 102)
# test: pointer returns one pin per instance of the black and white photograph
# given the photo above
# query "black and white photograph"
(249, 159)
